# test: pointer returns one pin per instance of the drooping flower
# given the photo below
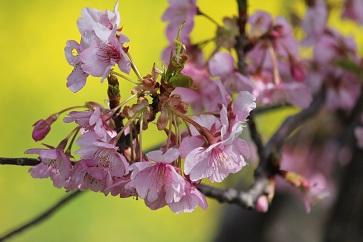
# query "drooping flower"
(103, 151)
(54, 164)
(158, 182)
(190, 200)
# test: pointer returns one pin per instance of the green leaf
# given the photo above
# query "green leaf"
(351, 66)
(181, 80)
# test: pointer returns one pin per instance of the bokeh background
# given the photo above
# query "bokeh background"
(33, 77)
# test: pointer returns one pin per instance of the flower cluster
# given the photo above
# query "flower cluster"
(199, 104)
(112, 161)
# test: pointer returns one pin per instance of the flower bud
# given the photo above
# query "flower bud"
(42, 127)
(262, 204)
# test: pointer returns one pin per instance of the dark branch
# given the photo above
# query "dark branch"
(42, 216)
(290, 124)
(19, 161)
(255, 136)
(241, 40)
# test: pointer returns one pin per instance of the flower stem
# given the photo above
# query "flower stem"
(208, 17)
(134, 68)
(209, 138)
(124, 77)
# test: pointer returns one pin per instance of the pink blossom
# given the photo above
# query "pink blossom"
(88, 175)
(77, 78)
(217, 161)
(243, 104)
(343, 91)
(353, 9)
(121, 186)
(176, 13)
(54, 164)
(262, 204)
(261, 23)
(101, 47)
(296, 93)
(190, 200)
(220, 158)
(314, 21)
(332, 46)
(98, 60)
(158, 182)
(222, 64)
(204, 95)
(94, 120)
(104, 153)
(313, 162)
(103, 24)
(100, 165)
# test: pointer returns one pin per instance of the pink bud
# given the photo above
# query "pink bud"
(41, 129)
(298, 71)
(305, 184)
(262, 204)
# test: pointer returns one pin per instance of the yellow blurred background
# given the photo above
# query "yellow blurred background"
(33, 72)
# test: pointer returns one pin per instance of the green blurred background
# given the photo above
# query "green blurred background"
(33, 71)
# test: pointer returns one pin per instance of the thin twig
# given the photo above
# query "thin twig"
(42, 216)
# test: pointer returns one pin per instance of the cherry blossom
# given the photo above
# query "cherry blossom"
(275, 69)
(158, 181)
(102, 24)
(54, 164)
(353, 9)
(314, 22)
(218, 159)
(178, 12)
(98, 60)
(103, 152)
(77, 78)
(96, 120)
(190, 200)
(222, 65)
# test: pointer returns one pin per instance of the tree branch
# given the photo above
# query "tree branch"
(42, 216)
(241, 40)
(19, 161)
(291, 123)
(233, 196)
